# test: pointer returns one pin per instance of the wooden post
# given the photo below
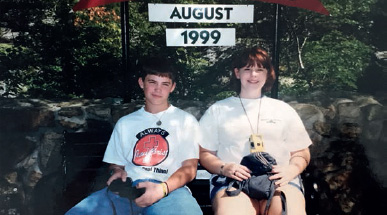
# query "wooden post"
(276, 48)
(125, 49)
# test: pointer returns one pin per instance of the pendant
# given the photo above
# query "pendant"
(158, 123)
(256, 143)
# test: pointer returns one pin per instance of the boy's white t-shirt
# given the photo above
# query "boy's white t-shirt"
(226, 129)
(149, 151)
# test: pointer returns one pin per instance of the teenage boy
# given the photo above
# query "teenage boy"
(156, 146)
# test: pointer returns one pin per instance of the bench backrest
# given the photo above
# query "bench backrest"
(85, 172)
(82, 167)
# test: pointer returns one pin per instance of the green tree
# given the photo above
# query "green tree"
(326, 53)
(67, 54)
(57, 52)
(375, 77)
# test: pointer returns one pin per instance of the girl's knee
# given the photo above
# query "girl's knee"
(241, 204)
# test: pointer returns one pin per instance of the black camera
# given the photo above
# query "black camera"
(126, 189)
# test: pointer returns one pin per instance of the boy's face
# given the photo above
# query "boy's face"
(156, 89)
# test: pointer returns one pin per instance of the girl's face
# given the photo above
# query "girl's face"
(252, 78)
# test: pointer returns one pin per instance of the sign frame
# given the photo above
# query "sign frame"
(200, 13)
(184, 37)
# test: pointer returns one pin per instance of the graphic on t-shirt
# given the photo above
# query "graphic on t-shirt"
(152, 147)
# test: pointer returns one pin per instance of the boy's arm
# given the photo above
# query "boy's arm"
(155, 192)
(185, 174)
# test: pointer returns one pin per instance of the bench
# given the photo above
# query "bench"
(82, 167)
(84, 172)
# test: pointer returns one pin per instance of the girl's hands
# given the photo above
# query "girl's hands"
(284, 174)
(236, 171)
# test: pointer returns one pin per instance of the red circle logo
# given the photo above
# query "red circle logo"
(150, 150)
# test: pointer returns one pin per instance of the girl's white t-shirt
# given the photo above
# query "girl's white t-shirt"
(226, 129)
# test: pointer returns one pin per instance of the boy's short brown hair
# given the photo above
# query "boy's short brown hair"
(160, 67)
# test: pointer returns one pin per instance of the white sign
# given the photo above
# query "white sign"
(200, 37)
(201, 13)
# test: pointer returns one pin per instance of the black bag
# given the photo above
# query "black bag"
(258, 186)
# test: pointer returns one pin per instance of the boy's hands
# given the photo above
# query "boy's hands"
(118, 173)
(125, 189)
(153, 193)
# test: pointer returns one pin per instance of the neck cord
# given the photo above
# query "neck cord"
(159, 122)
(259, 111)
(112, 203)
(159, 119)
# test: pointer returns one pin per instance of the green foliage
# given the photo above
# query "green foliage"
(16, 62)
(67, 54)
(60, 53)
(327, 53)
(350, 58)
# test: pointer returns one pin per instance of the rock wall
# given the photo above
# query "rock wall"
(345, 176)
(348, 152)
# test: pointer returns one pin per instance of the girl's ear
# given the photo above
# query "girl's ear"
(236, 71)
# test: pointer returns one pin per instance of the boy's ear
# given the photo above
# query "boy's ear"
(141, 83)
(173, 87)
